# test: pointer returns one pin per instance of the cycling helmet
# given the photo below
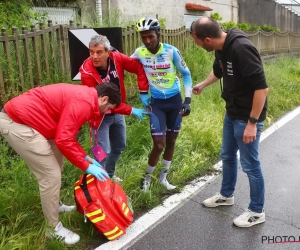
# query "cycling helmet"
(147, 23)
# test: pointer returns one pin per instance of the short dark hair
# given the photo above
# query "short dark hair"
(206, 27)
(111, 90)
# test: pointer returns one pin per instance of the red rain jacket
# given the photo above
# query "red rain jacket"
(57, 112)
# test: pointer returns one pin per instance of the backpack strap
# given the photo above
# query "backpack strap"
(85, 189)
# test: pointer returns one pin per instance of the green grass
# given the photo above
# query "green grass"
(22, 225)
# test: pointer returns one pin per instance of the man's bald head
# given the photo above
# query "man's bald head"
(206, 27)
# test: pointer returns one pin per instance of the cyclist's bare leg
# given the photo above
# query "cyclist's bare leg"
(170, 146)
(158, 146)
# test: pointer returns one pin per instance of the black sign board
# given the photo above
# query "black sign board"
(79, 45)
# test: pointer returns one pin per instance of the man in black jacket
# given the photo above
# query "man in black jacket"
(245, 93)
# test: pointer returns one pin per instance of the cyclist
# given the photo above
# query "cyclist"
(160, 61)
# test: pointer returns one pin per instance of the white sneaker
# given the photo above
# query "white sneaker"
(167, 184)
(65, 209)
(249, 219)
(218, 200)
(146, 186)
(117, 179)
(64, 234)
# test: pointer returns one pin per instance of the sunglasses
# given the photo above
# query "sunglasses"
(191, 28)
(202, 36)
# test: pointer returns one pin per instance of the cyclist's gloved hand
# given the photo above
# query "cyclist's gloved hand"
(139, 113)
(186, 109)
(99, 173)
(144, 97)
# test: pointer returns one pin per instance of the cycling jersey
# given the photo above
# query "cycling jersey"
(160, 69)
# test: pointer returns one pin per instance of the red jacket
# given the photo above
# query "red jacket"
(91, 77)
(57, 112)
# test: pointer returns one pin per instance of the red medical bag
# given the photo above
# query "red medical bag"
(105, 204)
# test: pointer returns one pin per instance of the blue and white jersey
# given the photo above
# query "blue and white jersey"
(160, 69)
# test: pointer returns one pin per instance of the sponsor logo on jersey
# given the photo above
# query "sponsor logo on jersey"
(158, 66)
(155, 74)
(160, 81)
(181, 61)
(160, 58)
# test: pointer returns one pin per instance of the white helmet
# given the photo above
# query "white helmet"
(147, 23)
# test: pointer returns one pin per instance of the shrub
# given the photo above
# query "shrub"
(216, 16)
(18, 13)
(269, 28)
(244, 26)
(228, 25)
(255, 28)
(162, 22)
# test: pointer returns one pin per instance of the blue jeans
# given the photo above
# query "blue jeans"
(112, 139)
(233, 132)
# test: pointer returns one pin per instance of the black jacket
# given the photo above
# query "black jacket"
(240, 65)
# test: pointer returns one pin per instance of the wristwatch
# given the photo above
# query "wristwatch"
(253, 120)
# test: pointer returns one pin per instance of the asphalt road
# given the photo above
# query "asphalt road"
(192, 226)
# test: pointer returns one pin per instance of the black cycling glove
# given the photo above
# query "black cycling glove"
(186, 109)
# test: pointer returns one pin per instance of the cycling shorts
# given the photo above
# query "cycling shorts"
(165, 116)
